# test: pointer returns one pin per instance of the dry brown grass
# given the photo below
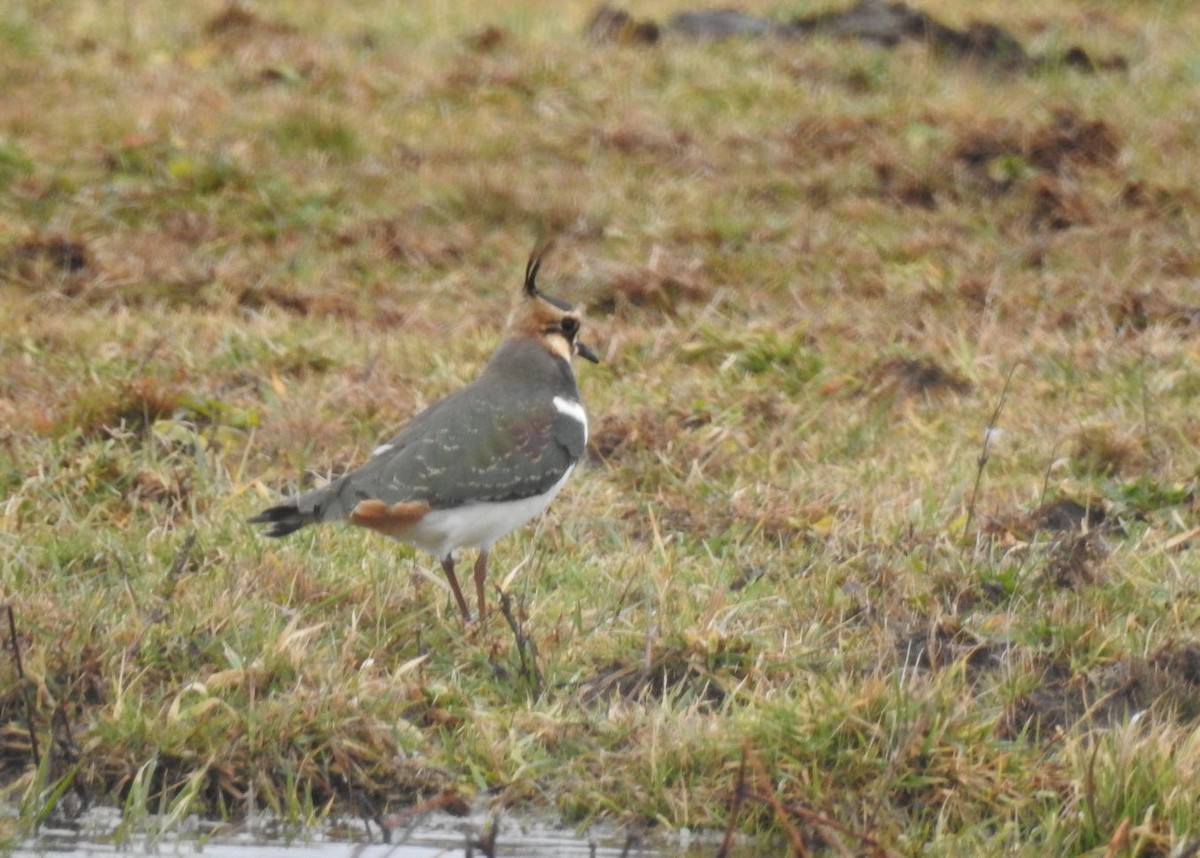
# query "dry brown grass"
(240, 244)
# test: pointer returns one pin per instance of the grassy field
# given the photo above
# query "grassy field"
(886, 543)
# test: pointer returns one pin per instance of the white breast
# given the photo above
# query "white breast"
(478, 525)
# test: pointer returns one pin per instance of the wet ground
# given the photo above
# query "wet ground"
(437, 835)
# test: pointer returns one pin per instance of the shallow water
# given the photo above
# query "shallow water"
(437, 836)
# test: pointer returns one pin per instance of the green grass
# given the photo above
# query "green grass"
(233, 256)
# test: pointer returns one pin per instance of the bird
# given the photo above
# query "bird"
(481, 462)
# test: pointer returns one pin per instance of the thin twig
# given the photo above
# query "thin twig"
(982, 461)
(68, 750)
(16, 648)
(739, 795)
(526, 649)
(1046, 476)
(765, 792)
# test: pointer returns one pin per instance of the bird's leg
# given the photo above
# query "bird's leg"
(480, 576)
(448, 568)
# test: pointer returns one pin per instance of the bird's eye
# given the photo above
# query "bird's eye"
(569, 326)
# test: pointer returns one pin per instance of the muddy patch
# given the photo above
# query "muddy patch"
(1039, 166)
(1064, 515)
(1166, 683)
(674, 673)
(488, 40)
(712, 24)
(1142, 309)
(1066, 537)
(996, 153)
(609, 24)
(66, 255)
(236, 21)
(1068, 515)
(983, 43)
(52, 263)
(944, 643)
(265, 50)
(915, 377)
(646, 288)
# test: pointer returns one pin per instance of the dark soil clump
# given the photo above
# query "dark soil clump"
(984, 43)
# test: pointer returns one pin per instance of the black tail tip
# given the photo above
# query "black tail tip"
(282, 519)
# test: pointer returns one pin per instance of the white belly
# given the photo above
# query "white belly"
(477, 525)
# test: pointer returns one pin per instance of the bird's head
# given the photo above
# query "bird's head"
(553, 323)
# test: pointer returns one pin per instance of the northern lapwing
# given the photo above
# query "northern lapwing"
(479, 463)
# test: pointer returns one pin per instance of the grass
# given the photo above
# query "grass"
(237, 248)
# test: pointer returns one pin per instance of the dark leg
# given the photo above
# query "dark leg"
(448, 568)
(480, 576)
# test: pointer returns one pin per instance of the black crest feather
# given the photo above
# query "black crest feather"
(534, 265)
